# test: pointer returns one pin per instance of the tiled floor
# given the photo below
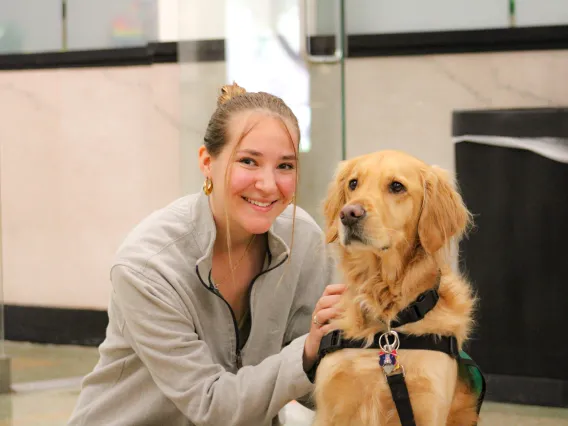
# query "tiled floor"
(492, 415)
(46, 381)
(32, 362)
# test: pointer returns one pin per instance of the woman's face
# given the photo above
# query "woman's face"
(262, 173)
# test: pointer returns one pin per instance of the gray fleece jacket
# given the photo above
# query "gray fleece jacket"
(171, 355)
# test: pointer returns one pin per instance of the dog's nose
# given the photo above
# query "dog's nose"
(351, 214)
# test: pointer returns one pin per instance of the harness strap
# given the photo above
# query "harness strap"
(334, 341)
(401, 399)
(418, 309)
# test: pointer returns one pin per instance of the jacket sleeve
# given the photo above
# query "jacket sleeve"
(318, 271)
(163, 336)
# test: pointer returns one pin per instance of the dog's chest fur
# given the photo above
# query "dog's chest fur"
(351, 381)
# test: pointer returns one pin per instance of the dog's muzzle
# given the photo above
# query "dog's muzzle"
(352, 216)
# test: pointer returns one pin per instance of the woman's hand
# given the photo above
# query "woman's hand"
(326, 309)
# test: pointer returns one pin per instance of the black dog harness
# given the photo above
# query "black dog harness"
(388, 342)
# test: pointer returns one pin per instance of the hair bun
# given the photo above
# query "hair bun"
(228, 92)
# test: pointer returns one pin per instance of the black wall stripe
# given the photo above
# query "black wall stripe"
(153, 53)
(471, 41)
(358, 46)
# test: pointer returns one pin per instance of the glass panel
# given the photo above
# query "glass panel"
(541, 12)
(387, 16)
(30, 26)
(263, 51)
(107, 24)
(5, 370)
(2, 335)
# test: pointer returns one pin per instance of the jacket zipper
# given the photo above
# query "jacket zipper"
(213, 289)
(216, 292)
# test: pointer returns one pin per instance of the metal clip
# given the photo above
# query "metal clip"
(388, 357)
(389, 347)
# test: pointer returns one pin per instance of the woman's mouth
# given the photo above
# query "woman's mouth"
(260, 205)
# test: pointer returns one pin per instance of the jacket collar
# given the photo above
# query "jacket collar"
(206, 232)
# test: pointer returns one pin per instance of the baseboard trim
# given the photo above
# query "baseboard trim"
(60, 326)
(527, 390)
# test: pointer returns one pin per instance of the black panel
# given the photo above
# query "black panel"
(516, 255)
(55, 325)
(523, 123)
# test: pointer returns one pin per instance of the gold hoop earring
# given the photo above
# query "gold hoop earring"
(208, 186)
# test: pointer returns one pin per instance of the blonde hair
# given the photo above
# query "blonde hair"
(234, 100)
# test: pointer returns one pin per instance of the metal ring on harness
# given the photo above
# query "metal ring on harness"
(388, 347)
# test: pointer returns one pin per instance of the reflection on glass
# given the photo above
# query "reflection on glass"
(540, 12)
(30, 26)
(106, 24)
(387, 16)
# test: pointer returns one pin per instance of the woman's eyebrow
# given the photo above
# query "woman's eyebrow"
(250, 152)
(289, 157)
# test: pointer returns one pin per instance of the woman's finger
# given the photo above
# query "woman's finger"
(334, 289)
(327, 301)
(325, 315)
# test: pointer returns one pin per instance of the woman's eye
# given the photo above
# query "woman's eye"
(286, 166)
(353, 184)
(247, 161)
(396, 187)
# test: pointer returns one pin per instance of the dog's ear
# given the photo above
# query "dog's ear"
(335, 201)
(444, 214)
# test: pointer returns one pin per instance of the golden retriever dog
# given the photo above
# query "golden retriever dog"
(394, 217)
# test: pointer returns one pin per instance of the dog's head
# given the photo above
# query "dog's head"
(390, 200)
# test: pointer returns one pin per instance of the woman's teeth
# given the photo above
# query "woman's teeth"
(257, 203)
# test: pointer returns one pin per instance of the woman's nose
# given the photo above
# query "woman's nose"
(266, 181)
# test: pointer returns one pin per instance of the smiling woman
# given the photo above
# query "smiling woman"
(251, 173)
(256, 169)
(205, 324)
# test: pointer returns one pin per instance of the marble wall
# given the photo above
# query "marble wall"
(86, 154)
(406, 102)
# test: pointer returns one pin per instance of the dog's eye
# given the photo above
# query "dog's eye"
(396, 187)
(352, 184)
